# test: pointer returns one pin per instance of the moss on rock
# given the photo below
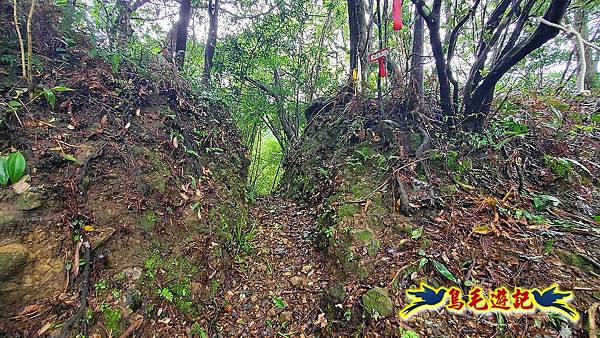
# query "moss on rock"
(347, 210)
(377, 303)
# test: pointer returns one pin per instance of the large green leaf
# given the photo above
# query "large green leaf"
(15, 166)
(3, 172)
(441, 268)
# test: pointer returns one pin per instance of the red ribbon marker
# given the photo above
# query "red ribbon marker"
(397, 14)
(379, 56)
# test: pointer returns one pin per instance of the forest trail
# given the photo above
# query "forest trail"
(278, 287)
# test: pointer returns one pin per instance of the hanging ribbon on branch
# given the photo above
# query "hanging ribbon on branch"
(397, 14)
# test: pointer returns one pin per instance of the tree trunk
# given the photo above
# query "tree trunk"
(185, 11)
(211, 41)
(581, 25)
(416, 55)
(482, 96)
(123, 25)
(432, 19)
(358, 36)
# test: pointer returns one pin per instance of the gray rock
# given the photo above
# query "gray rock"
(9, 217)
(133, 274)
(133, 299)
(13, 258)
(377, 303)
(30, 200)
(338, 293)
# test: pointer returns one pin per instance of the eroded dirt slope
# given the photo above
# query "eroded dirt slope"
(139, 168)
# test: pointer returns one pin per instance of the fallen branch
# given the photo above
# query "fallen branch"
(29, 50)
(84, 292)
(135, 324)
(404, 204)
(592, 320)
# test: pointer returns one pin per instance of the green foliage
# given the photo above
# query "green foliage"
(175, 275)
(499, 133)
(265, 168)
(278, 302)
(166, 294)
(50, 94)
(549, 246)
(197, 331)
(560, 166)
(441, 268)
(112, 319)
(544, 202)
(456, 165)
(4, 177)
(238, 234)
(407, 333)
(12, 168)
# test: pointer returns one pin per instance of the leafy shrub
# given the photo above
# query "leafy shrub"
(560, 166)
(544, 202)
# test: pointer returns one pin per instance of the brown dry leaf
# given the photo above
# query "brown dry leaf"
(306, 268)
(321, 320)
(483, 229)
(29, 309)
(21, 186)
(44, 328)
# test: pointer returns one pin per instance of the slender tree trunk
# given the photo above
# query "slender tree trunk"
(432, 19)
(123, 29)
(211, 41)
(185, 11)
(581, 25)
(416, 57)
(481, 97)
(358, 36)
(316, 66)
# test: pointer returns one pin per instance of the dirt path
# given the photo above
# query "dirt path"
(280, 285)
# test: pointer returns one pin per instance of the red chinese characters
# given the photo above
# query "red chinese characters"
(476, 299)
(522, 300)
(456, 303)
(499, 300)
